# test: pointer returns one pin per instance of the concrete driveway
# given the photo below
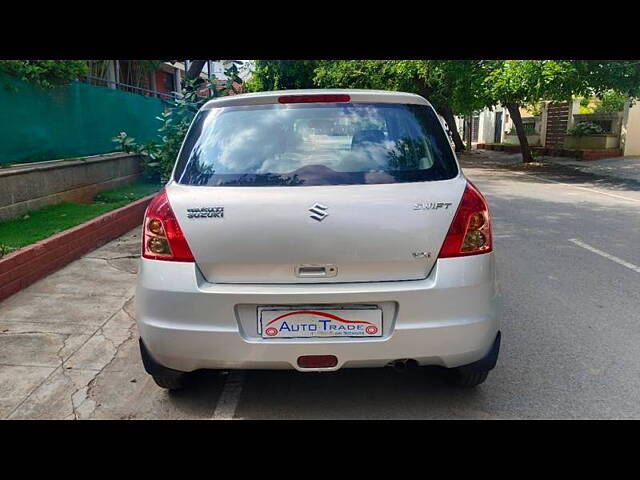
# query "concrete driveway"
(59, 335)
(569, 266)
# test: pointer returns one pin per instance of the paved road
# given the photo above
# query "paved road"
(569, 265)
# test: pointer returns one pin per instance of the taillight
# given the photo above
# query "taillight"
(314, 98)
(470, 231)
(162, 238)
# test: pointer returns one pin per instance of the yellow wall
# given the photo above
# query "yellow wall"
(632, 142)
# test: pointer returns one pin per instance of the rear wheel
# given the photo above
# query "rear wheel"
(163, 376)
(473, 374)
(467, 379)
(172, 381)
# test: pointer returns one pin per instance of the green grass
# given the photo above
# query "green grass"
(44, 222)
(128, 193)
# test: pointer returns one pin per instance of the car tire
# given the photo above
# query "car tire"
(163, 376)
(467, 379)
(171, 381)
(473, 374)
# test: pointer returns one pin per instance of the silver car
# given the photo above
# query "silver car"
(317, 230)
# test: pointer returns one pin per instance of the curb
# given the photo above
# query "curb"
(583, 155)
(61, 163)
(29, 264)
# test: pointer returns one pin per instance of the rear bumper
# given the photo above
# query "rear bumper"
(448, 319)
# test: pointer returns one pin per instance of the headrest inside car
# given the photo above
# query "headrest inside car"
(362, 137)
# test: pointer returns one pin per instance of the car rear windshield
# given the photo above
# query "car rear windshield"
(315, 144)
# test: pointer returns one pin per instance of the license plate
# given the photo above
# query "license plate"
(303, 322)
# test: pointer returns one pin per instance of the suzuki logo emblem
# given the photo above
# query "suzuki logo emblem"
(318, 212)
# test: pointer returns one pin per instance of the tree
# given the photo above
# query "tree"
(611, 101)
(282, 74)
(46, 73)
(455, 87)
(195, 68)
(193, 80)
(523, 83)
(599, 76)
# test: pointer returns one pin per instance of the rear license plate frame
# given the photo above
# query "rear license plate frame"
(330, 321)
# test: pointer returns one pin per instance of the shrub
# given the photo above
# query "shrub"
(611, 101)
(582, 129)
(5, 249)
(46, 73)
(159, 157)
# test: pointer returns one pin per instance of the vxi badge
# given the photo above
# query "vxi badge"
(205, 212)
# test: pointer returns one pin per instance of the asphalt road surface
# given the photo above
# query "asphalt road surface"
(568, 256)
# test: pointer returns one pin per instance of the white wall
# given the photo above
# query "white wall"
(485, 126)
(632, 134)
(488, 124)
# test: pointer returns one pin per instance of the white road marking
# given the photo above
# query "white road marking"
(628, 199)
(624, 263)
(230, 396)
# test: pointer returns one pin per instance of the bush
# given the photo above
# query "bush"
(5, 250)
(611, 101)
(582, 129)
(46, 73)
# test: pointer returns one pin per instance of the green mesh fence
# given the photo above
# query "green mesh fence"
(72, 121)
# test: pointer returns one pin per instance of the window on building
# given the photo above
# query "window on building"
(168, 82)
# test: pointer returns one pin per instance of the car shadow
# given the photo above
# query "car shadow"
(381, 393)
(200, 396)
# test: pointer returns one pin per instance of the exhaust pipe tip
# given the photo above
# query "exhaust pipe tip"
(404, 364)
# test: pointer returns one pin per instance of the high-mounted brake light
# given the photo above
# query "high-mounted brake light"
(162, 238)
(314, 98)
(470, 230)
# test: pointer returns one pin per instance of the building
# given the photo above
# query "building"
(144, 77)
(496, 126)
(551, 130)
(153, 78)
